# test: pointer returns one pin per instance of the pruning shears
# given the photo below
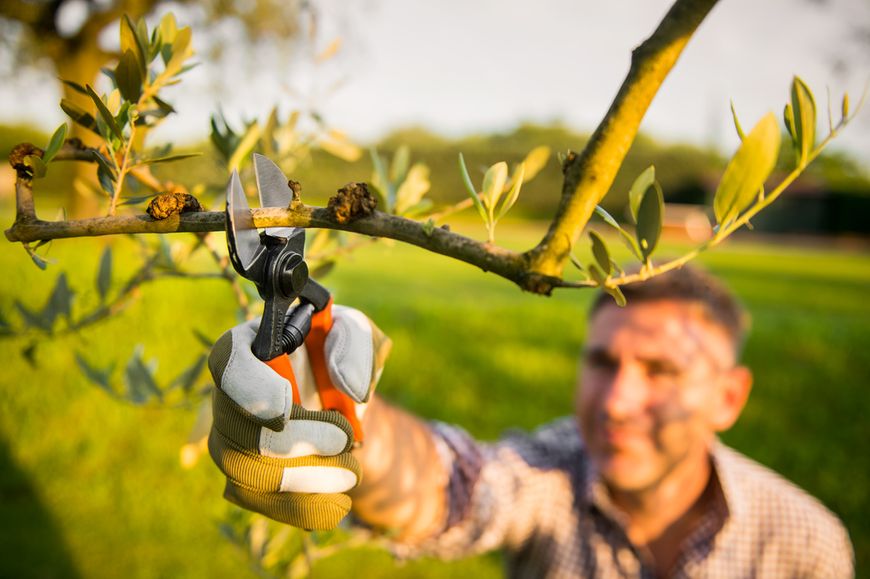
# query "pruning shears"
(273, 260)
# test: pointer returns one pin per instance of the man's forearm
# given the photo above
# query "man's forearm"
(404, 479)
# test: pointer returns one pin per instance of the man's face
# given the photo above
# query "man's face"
(657, 381)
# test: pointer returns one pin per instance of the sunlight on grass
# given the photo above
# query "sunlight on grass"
(469, 348)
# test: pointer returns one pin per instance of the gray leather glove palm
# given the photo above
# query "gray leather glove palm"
(292, 462)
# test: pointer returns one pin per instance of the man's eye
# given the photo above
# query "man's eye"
(599, 361)
(663, 370)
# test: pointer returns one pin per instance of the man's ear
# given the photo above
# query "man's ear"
(733, 391)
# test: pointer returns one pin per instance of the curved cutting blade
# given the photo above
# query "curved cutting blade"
(274, 189)
(243, 239)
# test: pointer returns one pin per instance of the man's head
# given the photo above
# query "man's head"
(660, 377)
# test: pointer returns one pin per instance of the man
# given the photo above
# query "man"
(636, 485)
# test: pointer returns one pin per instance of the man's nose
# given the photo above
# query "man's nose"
(626, 393)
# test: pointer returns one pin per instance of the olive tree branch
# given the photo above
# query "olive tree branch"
(588, 177)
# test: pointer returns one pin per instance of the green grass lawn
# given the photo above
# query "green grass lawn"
(93, 487)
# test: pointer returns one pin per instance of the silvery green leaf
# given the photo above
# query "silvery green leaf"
(38, 261)
(79, 115)
(643, 182)
(788, 120)
(104, 273)
(599, 251)
(37, 166)
(382, 181)
(180, 51)
(75, 86)
(167, 158)
(747, 171)
(99, 376)
(475, 198)
(399, 166)
(649, 220)
(139, 379)
(107, 181)
(737, 126)
(54, 144)
(129, 77)
(415, 185)
(245, 147)
(105, 114)
(535, 161)
(33, 319)
(5, 327)
(626, 238)
(203, 339)
(187, 378)
(493, 185)
(168, 29)
(59, 302)
(514, 193)
(130, 43)
(804, 108)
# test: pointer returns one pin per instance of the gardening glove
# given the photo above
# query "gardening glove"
(290, 460)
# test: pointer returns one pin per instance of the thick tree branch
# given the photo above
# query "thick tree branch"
(588, 177)
(502, 262)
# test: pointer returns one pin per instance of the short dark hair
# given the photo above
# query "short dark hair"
(688, 284)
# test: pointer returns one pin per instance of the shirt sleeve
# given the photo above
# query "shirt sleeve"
(500, 494)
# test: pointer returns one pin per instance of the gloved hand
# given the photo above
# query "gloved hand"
(292, 462)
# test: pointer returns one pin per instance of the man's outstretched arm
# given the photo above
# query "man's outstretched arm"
(404, 481)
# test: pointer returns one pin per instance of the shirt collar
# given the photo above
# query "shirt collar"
(594, 494)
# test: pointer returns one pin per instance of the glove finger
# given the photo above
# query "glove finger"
(260, 391)
(323, 474)
(307, 432)
(356, 350)
(308, 511)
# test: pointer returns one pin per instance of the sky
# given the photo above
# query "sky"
(460, 67)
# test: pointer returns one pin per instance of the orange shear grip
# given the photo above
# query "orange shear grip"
(281, 365)
(330, 397)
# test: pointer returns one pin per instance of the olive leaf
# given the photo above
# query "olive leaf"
(54, 144)
(493, 186)
(475, 198)
(737, 126)
(399, 166)
(599, 251)
(139, 379)
(79, 115)
(414, 186)
(804, 109)
(649, 220)
(244, 147)
(627, 239)
(104, 112)
(129, 77)
(187, 378)
(132, 43)
(514, 193)
(643, 182)
(99, 376)
(535, 161)
(104, 274)
(747, 171)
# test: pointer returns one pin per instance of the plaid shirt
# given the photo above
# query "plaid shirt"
(538, 498)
